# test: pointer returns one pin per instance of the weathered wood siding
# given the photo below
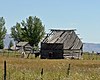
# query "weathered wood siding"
(60, 40)
(52, 51)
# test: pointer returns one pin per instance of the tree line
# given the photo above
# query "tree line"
(30, 30)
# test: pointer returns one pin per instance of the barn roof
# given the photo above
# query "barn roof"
(67, 37)
(22, 43)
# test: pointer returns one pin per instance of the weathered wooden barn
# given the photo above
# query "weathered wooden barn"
(60, 44)
(24, 47)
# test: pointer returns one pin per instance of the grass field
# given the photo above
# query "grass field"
(55, 69)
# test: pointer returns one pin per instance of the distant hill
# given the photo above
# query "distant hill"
(87, 47)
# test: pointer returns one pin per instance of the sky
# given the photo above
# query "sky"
(82, 15)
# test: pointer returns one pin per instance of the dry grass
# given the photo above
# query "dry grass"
(30, 69)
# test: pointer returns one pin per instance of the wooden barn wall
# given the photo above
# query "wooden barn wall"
(62, 43)
(56, 50)
(72, 53)
(55, 54)
(51, 46)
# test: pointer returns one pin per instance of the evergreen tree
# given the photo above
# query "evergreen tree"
(2, 31)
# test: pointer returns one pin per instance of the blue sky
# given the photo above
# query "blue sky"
(83, 15)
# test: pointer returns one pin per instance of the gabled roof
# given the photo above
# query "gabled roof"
(68, 38)
(22, 44)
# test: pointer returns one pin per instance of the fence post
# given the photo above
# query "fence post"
(68, 69)
(42, 74)
(4, 70)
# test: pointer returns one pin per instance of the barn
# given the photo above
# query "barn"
(24, 47)
(59, 44)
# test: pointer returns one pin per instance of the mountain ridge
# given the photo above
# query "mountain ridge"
(89, 47)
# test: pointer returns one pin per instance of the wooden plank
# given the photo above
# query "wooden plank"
(76, 43)
(53, 38)
(71, 40)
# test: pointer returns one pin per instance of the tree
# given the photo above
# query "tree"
(33, 30)
(16, 32)
(2, 31)
(10, 44)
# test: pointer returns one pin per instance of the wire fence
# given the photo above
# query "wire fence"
(13, 72)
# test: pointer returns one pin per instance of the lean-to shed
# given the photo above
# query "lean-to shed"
(24, 47)
(59, 44)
